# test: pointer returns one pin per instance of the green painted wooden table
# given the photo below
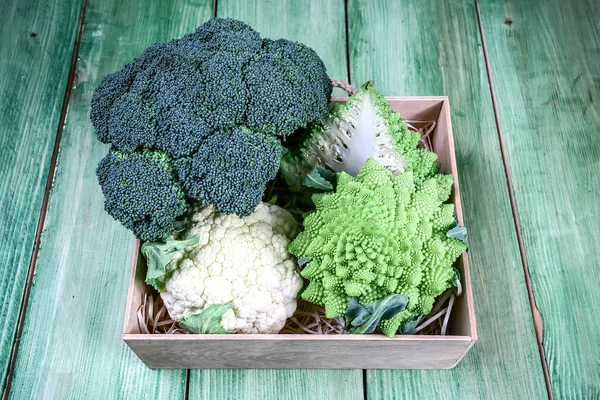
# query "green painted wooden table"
(523, 78)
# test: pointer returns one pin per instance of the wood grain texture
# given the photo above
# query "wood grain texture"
(321, 25)
(35, 56)
(432, 48)
(298, 351)
(276, 385)
(545, 63)
(71, 345)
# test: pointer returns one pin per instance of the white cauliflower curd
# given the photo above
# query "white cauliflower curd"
(239, 261)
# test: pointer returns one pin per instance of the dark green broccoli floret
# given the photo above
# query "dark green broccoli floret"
(227, 35)
(216, 103)
(231, 169)
(179, 132)
(130, 113)
(115, 85)
(111, 88)
(141, 192)
(288, 87)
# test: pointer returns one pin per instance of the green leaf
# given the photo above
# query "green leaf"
(158, 255)
(408, 327)
(320, 179)
(455, 278)
(208, 321)
(273, 200)
(178, 227)
(365, 319)
(328, 175)
(356, 314)
(458, 232)
(303, 261)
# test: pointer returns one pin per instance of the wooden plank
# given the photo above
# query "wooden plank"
(430, 47)
(321, 25)
(545, 63)
(71, 345)
(35, 57)
(302, 384)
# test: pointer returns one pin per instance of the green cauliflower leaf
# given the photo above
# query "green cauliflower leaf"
(158, 255)
(208, 321)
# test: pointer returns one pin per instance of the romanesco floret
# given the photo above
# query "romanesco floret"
(376, 235)
(231, 169)
(141, 191)
(365, 127)
(180, 97)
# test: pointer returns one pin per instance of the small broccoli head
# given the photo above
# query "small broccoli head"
(231, 170)
(111, 88)
(141, 192)
(288, 87)
(118, 84)
(132, 123)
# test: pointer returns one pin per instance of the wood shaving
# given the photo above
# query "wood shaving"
(153, 317)
(309, 318)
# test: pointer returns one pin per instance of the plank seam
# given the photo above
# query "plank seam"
(186, 392)
(346, 17)
(535, 314)
(365, 377)
(44, 207)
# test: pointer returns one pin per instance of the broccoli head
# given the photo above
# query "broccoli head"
(223, 74)
(141, 191)
(365, 127)
(377, 235)
(217, 103)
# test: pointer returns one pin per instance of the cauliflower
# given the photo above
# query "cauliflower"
(239, 261)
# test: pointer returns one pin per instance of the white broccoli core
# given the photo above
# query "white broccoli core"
(358, 134)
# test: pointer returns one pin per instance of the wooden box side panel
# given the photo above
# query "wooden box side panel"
(137, 289)
(438, 109)
(297, 351)
(463, 314)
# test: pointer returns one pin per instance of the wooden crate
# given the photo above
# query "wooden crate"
(282, 351)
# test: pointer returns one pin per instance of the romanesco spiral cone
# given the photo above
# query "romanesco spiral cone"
(379, 234)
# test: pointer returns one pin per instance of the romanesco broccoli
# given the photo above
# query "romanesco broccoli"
(379, 234)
